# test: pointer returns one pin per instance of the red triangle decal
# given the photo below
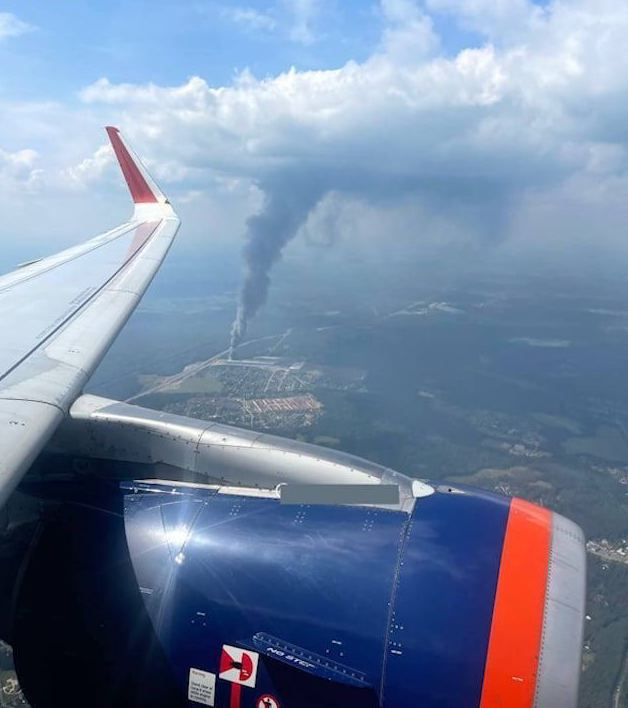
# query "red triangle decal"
(246, 671)
(226, 662)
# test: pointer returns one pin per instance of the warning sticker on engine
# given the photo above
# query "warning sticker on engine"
(201, 687)
(238, 665)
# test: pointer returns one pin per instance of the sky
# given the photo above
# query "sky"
(468, 126)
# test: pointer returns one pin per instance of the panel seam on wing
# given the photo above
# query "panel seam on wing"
(539, 667)
(50, 268)
(81, 307)
(403, 539)
(32, 400)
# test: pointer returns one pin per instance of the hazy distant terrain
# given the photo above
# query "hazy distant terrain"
(510, 382)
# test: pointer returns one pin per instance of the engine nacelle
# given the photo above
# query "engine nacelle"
(224, 595)
(472, 599)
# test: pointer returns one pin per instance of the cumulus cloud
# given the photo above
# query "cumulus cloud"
(12, 26)
(428, 115)
(302, 14)
(409, 32)
(502, 21)
(495, 141)
(476, 140)
(250, 17)
(90, 169)
(19, 169)
(487, 120)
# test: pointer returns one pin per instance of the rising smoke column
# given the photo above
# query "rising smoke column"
(286, 206)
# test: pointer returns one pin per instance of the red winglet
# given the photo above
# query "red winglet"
(138, 186)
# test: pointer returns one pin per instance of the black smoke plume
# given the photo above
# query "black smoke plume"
(285, 208)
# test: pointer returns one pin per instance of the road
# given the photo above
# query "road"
(194, 369)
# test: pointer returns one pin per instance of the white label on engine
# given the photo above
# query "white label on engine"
(201, 687)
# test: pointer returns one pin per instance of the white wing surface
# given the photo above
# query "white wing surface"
(59, 315)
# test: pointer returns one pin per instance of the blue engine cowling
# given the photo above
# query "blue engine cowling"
(318, 606)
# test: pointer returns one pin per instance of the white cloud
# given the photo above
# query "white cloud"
(302, 14)
(475, 137)
(11, 26)
(20, 160)
(409, 32)
(479, 139)
(382, 119)
(500, 20)
(533, 94)
(295, 20)
(91, 169)
(19, 169)
(251, 18)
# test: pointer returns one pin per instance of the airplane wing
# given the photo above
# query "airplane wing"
(60, 314)
(233, 593)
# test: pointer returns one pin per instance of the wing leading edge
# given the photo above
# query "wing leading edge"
(60, 315)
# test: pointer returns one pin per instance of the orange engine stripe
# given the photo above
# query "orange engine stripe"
(514, 643)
